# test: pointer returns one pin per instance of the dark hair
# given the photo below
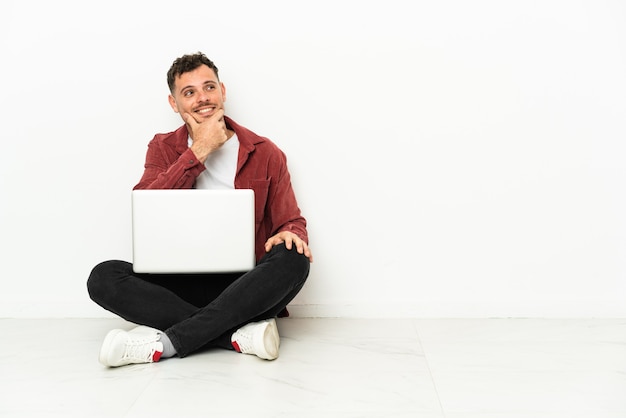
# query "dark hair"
(188, 63)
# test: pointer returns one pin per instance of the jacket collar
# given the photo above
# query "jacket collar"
(247, 140)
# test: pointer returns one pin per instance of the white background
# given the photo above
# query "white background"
(453, 158)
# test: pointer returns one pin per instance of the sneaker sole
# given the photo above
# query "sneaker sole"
(271, 341)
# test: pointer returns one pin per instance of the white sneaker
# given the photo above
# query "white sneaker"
(258, 338)
(140, 345)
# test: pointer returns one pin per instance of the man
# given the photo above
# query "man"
(180, 315)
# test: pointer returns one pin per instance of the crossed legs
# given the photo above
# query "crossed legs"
(198, 311)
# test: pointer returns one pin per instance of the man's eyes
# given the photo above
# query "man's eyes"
(189, 93)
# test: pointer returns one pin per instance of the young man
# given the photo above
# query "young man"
(180, 315)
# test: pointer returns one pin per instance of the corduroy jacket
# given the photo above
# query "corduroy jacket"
(261, 166)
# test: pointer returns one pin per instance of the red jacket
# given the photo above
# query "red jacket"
(261, 166)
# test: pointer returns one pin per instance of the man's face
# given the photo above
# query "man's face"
(198, 92)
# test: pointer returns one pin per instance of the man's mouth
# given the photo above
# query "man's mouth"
(205, 110)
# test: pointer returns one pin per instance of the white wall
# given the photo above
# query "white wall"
(453, 158)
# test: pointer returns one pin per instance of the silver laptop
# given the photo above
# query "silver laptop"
(193, 231)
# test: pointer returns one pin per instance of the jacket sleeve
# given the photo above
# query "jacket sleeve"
(284, 213)
(166, 169)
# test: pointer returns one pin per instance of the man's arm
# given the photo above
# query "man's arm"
(165, 169)
(286, 217)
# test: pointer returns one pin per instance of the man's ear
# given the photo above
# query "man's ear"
(172, 101)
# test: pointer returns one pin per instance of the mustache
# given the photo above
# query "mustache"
(205, 104)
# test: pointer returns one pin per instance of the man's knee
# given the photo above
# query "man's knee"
(101, 279)
(289, 259)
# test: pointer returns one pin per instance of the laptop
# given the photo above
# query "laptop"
(193, 231)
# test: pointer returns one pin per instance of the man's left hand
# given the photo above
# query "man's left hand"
(290, 239)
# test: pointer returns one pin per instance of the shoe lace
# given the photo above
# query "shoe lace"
(243, 341)
(140, 349)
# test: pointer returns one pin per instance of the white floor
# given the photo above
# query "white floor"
(345, 368)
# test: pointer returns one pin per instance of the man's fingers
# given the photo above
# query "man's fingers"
(189, 119)
(303, 249)
(289, 240)
(271, 242)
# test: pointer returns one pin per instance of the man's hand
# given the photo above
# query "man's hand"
(290, 239)
(206, 135)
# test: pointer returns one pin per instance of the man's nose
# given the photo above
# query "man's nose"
(202, 96)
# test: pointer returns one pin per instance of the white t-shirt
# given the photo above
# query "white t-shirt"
(221, 166)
